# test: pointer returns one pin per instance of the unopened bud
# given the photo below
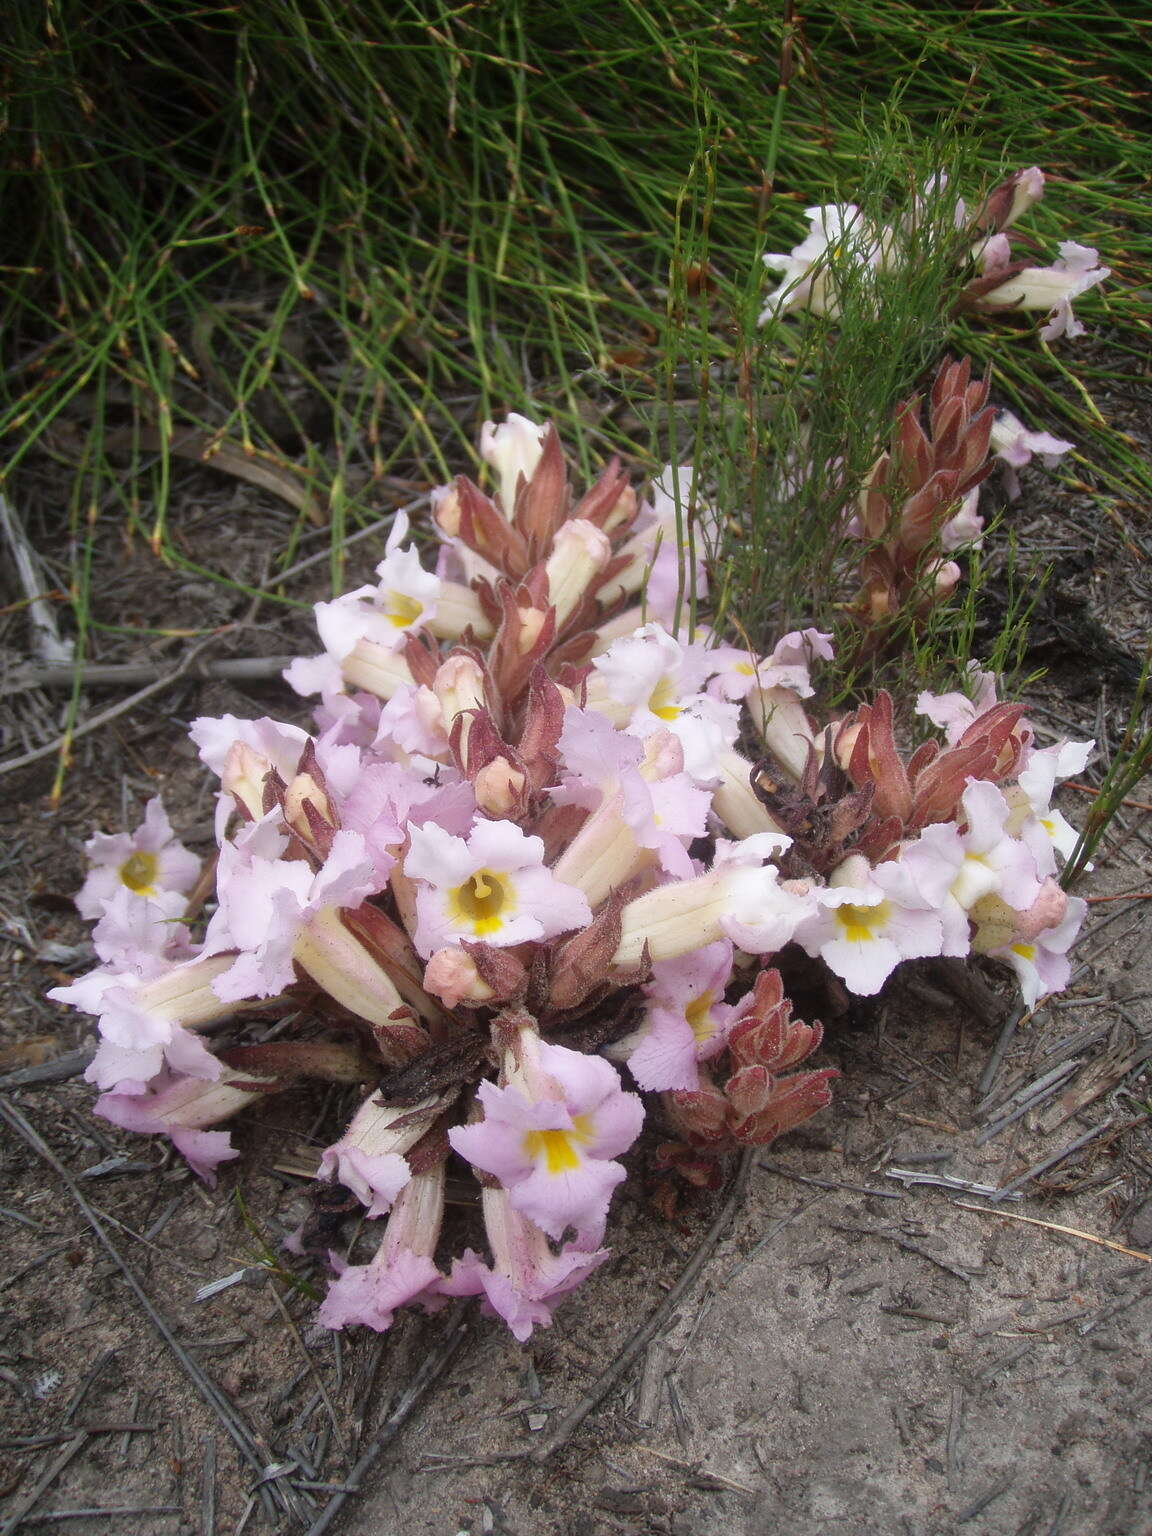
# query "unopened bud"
(451, 975)
(446, 510)
(622, 512)
(499, 788)
(945, 575)
(305, 788)
(459, 685)
(531, 623)
(513, 449)
(1028, 189)
(580, 551)
(243, 776)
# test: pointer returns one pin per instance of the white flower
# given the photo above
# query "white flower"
(491, 887)
(148, 862)
(1052, 288)
(513, 449)
(867, 921)
(805, 278)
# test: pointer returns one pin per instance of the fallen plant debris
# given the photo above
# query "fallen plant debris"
(524, 846)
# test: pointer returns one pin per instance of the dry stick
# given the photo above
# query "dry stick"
(909, 1246)
(992, 1070)
(639, 1340)
(87, 1384)
(432, 1367)
(45, 1073)
(118, 1512)
(28, 1502)
(111, 713)
(46, 636)
(123, 674)
(290, 1323)
(234, 668)
(250, 1446)
(804, 1178)
(1007, 1190)
(208, 1486)
(977, 1506)
(1052, 1226)
(1087, 789)
(697, 1471)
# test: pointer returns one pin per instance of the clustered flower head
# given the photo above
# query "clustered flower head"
(535, 861)
(842, 238)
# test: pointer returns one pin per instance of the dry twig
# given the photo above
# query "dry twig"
(1054, 1226)
(648, 1330)
(250, 1445)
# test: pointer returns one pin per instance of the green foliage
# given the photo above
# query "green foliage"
(1130, 763)
(333, 239)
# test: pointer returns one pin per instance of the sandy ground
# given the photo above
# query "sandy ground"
(854, 1353)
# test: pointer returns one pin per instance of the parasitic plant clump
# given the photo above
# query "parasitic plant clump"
(525, 883)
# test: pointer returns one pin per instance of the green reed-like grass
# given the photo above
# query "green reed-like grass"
(341, 237)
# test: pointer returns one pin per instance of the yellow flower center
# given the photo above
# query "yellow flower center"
(859, 923)
(558, 1148)
(662, 701)
(138, 872)
(1025, 951)
(484, 902)
(402, 609)
(699, 1015)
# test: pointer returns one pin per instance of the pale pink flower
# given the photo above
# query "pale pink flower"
(658, 803)
(277, 743)
(740, 898)
(266, 901)
(1052, 288)
(953, 713)
(651, 681)
(954, 869)
(402, 1272)
(242, 753)
(181, 1108)
(675, 524)
(866, 922)
(526, 1277)
(1016, 444)
(403, 601)
(965, 530)
(369, 1157)
(491, 887)
(142, 935)
(686, 1020)
(145, 1019)
(1033, 820)
(806, 281)
(147, 862)
(1041, 964)
(413, 721)
(550, 1136)
(738, 671)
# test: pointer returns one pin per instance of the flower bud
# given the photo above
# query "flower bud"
(500, 788)
(459, 685)
(446, 510)
(579, 553)
(305, 788)
(513, 448)
(243, 777)
(451, 975)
